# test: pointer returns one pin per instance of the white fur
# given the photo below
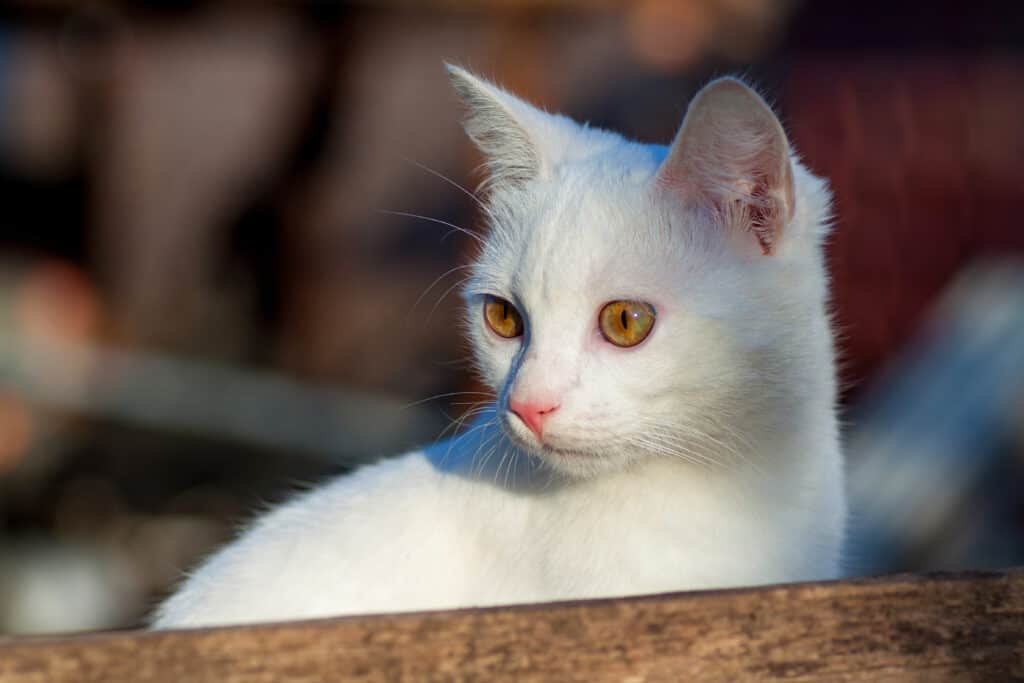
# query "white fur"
(705, 457)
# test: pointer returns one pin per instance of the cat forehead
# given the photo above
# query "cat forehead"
(581, 195)
(594, 226)
(614, 161)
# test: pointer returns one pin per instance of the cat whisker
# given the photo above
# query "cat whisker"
(676, 447)
(505, 458)
(742, 441)
(465, 361)
(654, 439)
(456, 423)
(448, 394)
(733, 443)
(512, 468)
(473, 412)
(477, 463)
(687, 433)
(456, 228)
(446, 179)
(683, 442)
(452, 425)
(445, 295)
(436, 282)
(461, 439)
(497, 469)
(733, 451)
(654, 446)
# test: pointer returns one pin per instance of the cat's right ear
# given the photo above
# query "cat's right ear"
(503, 127)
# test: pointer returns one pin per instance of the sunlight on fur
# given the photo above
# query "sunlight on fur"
(685, 438)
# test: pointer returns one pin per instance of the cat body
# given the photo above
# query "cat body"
(653, 322)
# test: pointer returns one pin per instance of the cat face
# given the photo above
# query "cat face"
(625, 301)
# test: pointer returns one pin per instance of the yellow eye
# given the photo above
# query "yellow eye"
(627, 323)
(502, 317)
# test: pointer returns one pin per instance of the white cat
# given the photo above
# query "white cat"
(653, 321)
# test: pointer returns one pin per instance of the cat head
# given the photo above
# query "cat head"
(637, 301)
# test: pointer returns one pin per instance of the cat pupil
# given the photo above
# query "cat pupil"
(625, 320)
(504, 311)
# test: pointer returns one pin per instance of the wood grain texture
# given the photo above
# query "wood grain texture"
(964, 627)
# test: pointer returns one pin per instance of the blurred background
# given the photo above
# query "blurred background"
(210, 296)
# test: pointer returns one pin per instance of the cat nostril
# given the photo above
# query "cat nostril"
(533, 413)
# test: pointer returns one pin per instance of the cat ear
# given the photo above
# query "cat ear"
(731, 155)
(504, 127)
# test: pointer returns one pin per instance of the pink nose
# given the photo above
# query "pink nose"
(533, 413)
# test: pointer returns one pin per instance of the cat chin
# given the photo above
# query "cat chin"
(579, 464)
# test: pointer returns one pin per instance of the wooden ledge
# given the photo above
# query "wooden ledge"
(946, 627)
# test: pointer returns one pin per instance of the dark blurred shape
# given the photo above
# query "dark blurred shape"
(924, 153)
(261, 408)
(670, 35)
(935, 471)
(15, 431)
(56, 302)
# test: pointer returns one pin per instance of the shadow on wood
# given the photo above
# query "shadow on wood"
(946, 627)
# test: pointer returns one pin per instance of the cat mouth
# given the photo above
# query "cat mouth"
(541, 447)
(519, 435)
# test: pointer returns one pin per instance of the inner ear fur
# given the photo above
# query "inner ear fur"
(731, 155)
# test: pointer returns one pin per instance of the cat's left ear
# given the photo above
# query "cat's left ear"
(731, 155)
(508, 131)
